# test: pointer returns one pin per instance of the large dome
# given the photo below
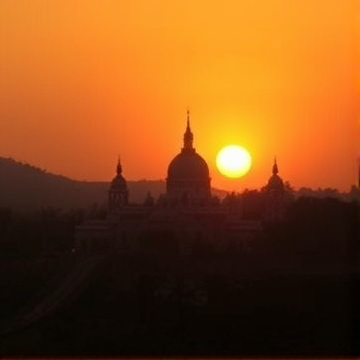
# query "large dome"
(188, 174)
(188, 165)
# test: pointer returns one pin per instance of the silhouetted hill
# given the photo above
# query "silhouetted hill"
(26, 187)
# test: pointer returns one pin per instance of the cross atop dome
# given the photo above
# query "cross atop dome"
(118, 167)
(275, 169)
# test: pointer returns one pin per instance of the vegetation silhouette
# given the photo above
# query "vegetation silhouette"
(294, 293)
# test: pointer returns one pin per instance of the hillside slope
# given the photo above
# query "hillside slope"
(24, 187)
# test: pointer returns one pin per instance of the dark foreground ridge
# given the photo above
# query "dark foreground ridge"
(140, 306)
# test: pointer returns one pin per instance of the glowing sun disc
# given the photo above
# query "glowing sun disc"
(233, 161)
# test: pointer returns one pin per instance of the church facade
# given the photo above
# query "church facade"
(185, 220)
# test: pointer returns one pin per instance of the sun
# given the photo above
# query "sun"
(233, 161)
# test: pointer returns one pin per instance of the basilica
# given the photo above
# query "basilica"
(186, 219)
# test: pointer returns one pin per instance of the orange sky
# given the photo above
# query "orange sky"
(81, 81)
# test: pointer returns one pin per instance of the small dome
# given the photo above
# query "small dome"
(118, 183)
(188, 165)
(275, 183)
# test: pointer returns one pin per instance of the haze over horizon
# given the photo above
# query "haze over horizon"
(81, 82)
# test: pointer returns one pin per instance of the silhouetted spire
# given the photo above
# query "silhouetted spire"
(188, 135)
(275, 169)
(119, 167)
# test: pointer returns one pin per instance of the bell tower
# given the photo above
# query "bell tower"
(118, 192)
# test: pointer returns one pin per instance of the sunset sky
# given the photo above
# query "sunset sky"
(83, 81)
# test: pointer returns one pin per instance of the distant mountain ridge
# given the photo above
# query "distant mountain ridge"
(24, 187)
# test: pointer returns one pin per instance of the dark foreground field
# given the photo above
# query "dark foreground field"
(142, 307)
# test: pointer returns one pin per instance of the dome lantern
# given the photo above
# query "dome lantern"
(188, 135)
